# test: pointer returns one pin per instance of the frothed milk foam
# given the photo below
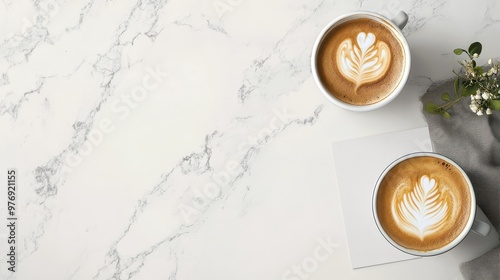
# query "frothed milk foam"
(423, 203)
(361, 61)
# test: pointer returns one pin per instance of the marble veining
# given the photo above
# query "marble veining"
(170, 139)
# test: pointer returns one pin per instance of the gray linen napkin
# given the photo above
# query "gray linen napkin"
(474, 143)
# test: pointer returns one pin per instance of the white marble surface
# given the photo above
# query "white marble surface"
(186, 139)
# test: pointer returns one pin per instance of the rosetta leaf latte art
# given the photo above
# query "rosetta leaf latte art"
(363, 62)
(423, 210)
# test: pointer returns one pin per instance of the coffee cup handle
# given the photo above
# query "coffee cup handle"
(400, 19)
(481, 227)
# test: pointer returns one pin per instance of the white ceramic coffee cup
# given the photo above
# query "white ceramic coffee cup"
(473, 224)
(397, 23)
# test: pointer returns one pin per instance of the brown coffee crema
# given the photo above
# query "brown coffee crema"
(361, 61)
(423, 203)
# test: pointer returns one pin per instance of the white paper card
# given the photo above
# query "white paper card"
(358, 164)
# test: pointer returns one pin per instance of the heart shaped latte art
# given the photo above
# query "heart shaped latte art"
(363, 62)
(422, 211)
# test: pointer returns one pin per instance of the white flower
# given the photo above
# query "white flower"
(475, 55)
(485, 96)
(488, 111)
(478, 96)
(478, 91)
(490, 61)
(473, 107)
(479, 113)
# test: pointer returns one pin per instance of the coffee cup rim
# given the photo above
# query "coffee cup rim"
(390, 97)
(448, 246)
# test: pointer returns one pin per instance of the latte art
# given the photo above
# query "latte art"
(422, 202)
(365, 61)
(423, 211)
(361, 61)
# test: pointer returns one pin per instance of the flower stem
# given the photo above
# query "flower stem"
(449, 104)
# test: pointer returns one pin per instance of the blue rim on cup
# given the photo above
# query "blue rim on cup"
(468, 227)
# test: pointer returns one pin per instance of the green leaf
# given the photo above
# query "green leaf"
(457, 85)
(475, 47)
(445, 96)
(445, 114)
(474, 63)
(494, 104)
(432, 108)
(478, 70)
(459, 51)
(468, 90)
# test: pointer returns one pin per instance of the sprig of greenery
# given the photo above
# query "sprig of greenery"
(479, 83)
